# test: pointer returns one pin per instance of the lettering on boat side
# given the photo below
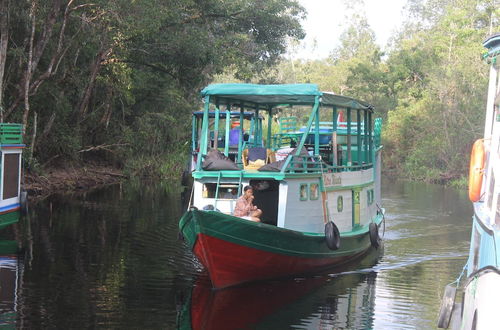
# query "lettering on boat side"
(332, 179)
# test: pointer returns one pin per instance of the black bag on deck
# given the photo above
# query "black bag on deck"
(216, 161)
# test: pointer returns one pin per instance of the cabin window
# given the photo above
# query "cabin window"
(340, 204)
(304, 192)
(10, 176)
(314, 191)
(370, 195)
(226, 191)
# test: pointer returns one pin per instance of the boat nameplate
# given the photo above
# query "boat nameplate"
(332, 179)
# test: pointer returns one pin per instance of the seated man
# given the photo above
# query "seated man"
(234, 134)
(244, 207)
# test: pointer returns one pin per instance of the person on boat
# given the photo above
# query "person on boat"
(234, 133)
(244, 206)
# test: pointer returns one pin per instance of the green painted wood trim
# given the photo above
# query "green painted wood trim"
(308, 127)
(7, 219)
(366, 141)
(351, 187)
(228, 122)
(271, 238)
(216, 128)
(240, 139)
(204, 131)
(253, 174)
(349, 155)
(194, 135)
(370, 139)
(269, 125)
(358, 136)
(316, 135)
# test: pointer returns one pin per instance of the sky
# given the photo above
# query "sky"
(324, 24)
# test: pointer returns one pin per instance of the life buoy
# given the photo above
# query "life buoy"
(476, 170)
(332, 236)
(374, 237)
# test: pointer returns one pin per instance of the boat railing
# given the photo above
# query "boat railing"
(315, 164)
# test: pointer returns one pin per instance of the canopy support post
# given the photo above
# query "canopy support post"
(334, 136)
(204, 133)
(349, 154)
(228, 122)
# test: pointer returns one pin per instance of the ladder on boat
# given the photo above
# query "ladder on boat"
(226, 185)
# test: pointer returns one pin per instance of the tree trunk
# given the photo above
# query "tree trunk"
(4, 40)
(94, 71)
(29, 67)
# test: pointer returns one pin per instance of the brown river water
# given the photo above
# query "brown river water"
(111, 258)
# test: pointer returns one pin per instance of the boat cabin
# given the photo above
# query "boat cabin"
(302, 176)
(11, 146)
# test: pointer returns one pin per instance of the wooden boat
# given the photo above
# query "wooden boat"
(481, 288)
(12, 199)
(320, 203)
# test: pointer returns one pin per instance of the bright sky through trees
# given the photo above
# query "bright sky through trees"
(326, 21)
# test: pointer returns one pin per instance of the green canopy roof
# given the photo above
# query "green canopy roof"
(265, 96)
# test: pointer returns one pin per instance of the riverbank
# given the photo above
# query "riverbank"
(70, 179)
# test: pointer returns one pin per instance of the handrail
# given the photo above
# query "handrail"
(315, 164)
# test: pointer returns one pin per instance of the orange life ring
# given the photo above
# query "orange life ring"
(476, 170)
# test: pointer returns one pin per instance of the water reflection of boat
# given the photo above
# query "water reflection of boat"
(344, 301)
(481, 292)
(320, 202)
(9, 275)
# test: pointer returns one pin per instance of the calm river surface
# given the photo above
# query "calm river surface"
(111, 259)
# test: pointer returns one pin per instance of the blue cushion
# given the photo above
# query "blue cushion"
(257, 153)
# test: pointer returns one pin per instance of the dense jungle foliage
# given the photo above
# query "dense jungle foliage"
(116, 80)
(429, 84)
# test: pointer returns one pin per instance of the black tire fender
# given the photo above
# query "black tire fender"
(374, 236)
(332, 236)
(446, 308)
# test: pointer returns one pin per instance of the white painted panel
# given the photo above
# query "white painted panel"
(306, 215)
(282, 204)
(343, 219)
(13, 200)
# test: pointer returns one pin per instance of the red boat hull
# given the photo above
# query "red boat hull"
(230, 264)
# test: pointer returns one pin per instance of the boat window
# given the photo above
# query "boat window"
(370, 195)
(304, 193)
(10, 176)
(226, 190)
(314, 191)
(340, 204)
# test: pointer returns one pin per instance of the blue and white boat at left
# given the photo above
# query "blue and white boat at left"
(13, 200)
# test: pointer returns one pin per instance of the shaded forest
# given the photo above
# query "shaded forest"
(115, 81)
